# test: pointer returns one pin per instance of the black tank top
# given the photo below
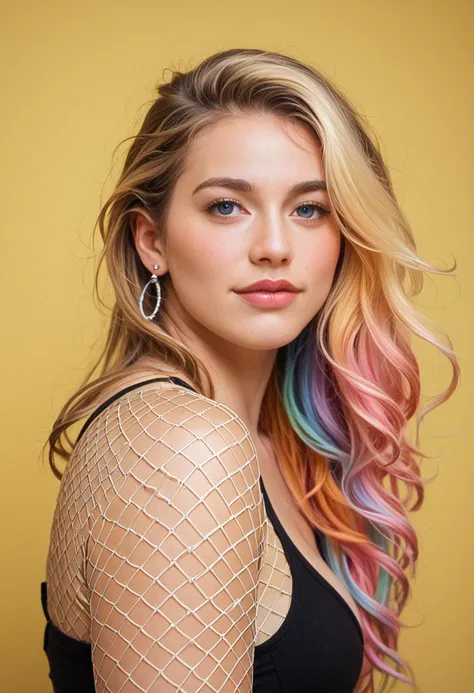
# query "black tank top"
(317, 649)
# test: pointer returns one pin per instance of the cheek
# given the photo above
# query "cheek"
(321, 262)
(204, 256)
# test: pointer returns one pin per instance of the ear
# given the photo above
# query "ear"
(149, 248)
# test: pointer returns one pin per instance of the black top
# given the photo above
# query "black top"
(317, 649)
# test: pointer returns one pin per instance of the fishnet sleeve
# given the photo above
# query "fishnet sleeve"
(172, 562)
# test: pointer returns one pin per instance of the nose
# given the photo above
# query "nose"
(271, 243)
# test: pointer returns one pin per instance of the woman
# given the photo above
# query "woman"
(225, 519)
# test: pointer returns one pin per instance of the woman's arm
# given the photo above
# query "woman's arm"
(172, 564)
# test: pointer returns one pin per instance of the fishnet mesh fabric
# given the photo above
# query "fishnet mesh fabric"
(161, 554)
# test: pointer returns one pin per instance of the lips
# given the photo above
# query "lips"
(269, 285)
(268, 299)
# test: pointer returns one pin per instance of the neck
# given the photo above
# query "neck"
(239, 375)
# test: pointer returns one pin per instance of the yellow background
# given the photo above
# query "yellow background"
(76, 79)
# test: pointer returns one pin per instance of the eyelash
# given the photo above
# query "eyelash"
(324, 211)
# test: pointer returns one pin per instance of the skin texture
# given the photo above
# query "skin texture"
(263, 235)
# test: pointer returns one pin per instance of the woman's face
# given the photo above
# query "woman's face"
(221, 238)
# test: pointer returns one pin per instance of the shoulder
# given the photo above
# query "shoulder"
(178, 464)
(169, 439)
(180, 543)
(167, 410)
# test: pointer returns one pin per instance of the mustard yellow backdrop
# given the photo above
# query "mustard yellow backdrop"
(75, 80)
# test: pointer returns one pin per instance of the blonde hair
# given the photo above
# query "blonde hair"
(341, 394)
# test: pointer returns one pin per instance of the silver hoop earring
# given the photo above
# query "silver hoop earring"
(153, 280)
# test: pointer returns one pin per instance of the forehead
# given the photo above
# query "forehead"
(261, 147)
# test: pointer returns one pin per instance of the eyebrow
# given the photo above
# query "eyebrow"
(242, 185)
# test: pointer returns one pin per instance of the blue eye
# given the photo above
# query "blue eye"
(224, 206)
(307, 207)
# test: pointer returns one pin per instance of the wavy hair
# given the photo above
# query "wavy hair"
(342, 393)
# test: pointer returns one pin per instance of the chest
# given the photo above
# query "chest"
(299, 531)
